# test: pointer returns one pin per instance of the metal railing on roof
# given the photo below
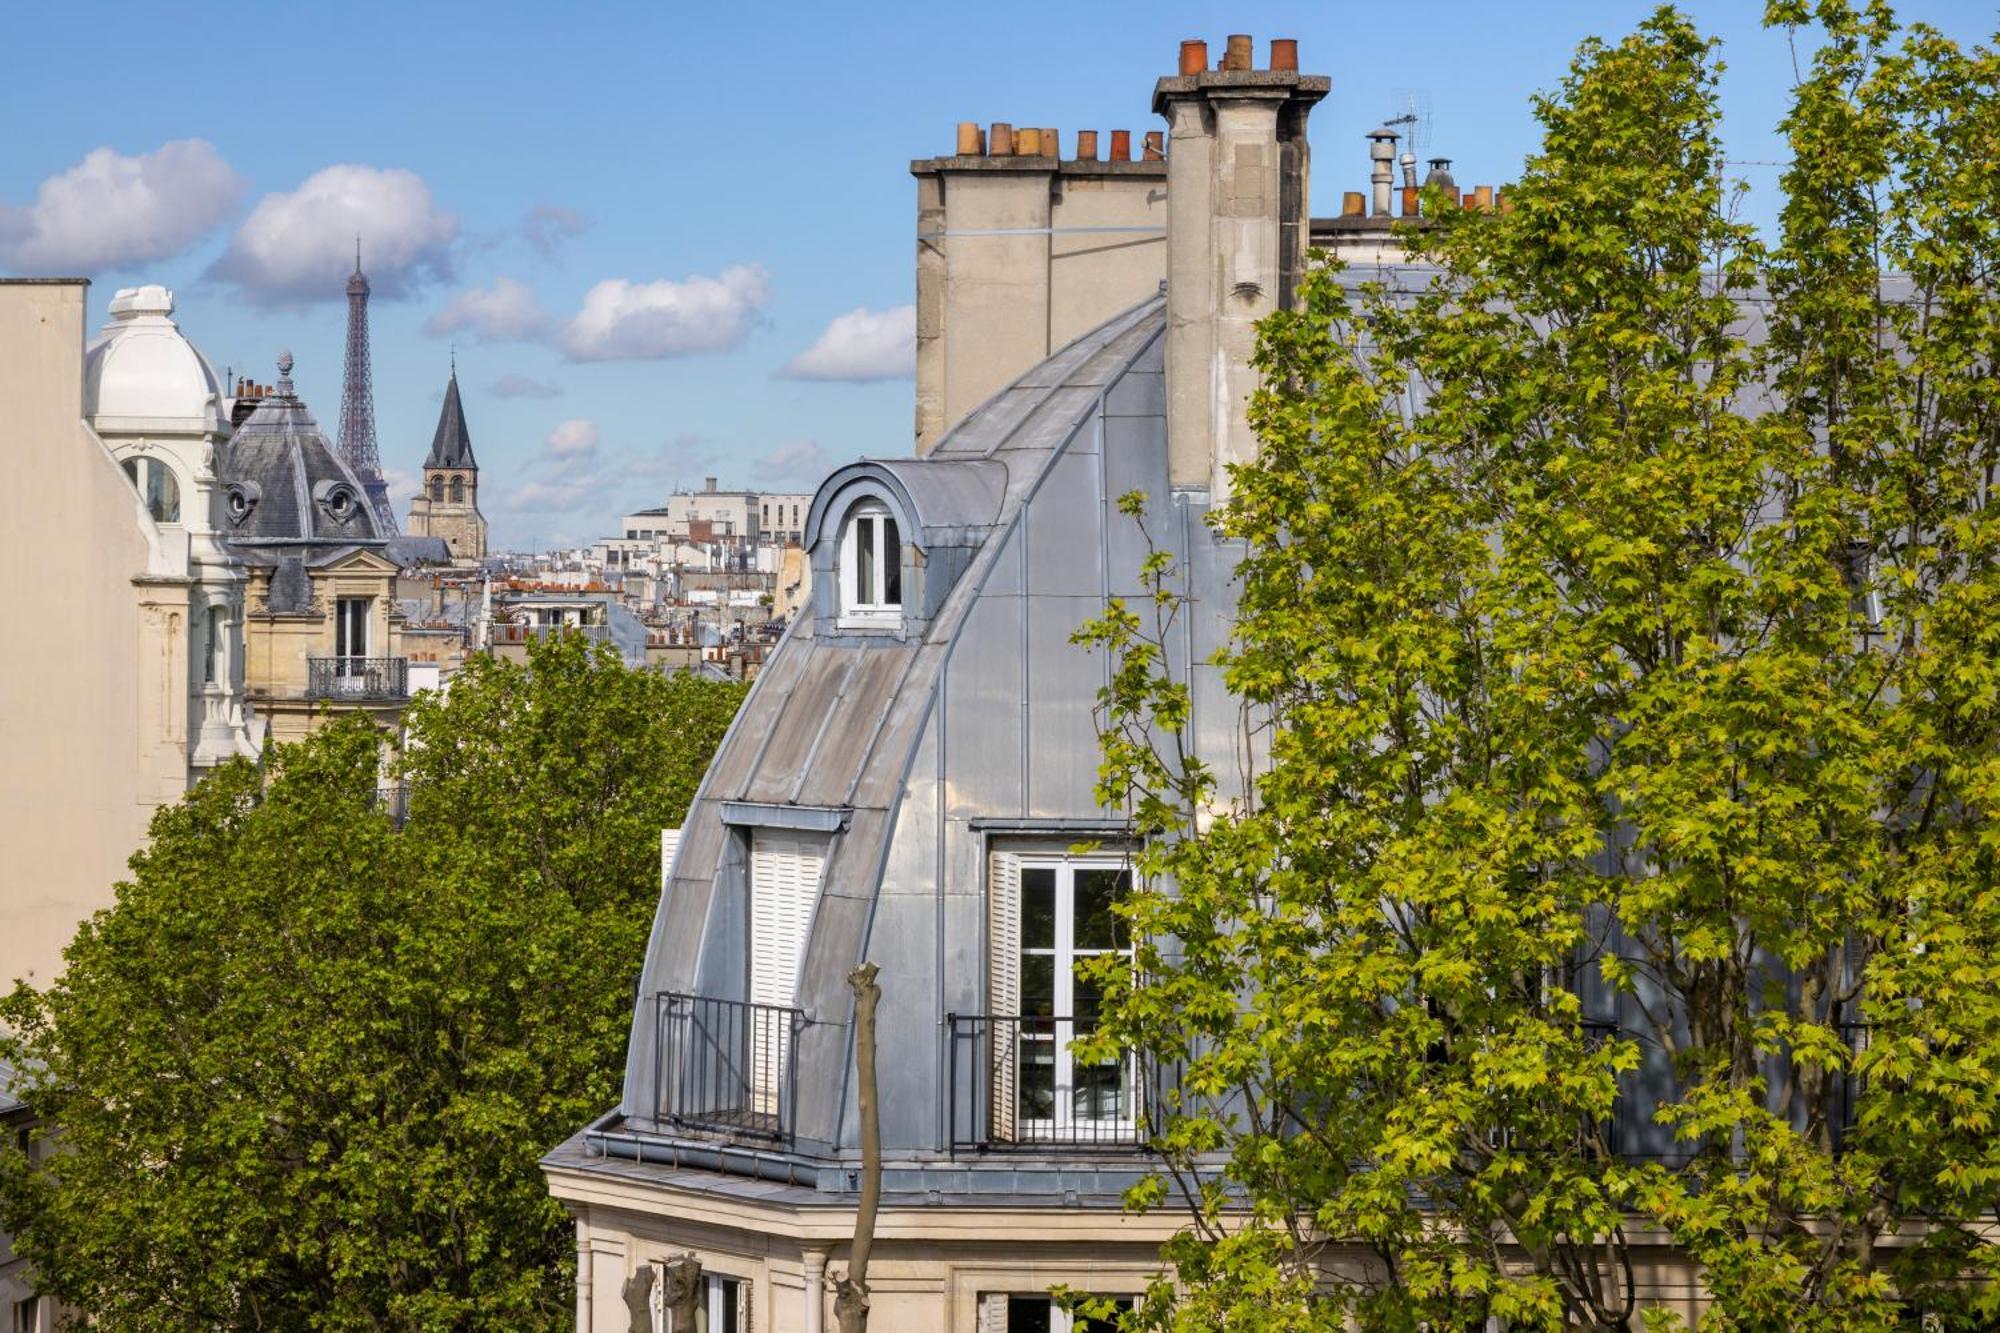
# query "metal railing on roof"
(357, 678)
(1015, 1082)
(727, 1067)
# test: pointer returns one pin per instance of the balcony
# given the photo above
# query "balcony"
(357, 679)
(727, 1067)
(521, 634)
(1016, 1083)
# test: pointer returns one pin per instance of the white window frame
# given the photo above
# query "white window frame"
(1012, 1035)
(346, 623)
(870, 607)
(993, 1311)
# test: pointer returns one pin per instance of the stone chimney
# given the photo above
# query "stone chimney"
(1022, 247)
(1237, 231)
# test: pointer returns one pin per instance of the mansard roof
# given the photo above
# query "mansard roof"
(285, 483)
(843, 729)
(451, 447)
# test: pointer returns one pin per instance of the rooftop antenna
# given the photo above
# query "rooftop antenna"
(1414, 122)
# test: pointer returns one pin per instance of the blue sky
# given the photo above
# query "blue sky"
(631, 219)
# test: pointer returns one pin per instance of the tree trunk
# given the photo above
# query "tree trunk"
(850, 1304)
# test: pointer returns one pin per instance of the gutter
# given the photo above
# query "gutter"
(759, 1163)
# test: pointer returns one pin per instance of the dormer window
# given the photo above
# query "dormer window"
(157, 486)
(871, 565)
(241, 498)
(337, 499)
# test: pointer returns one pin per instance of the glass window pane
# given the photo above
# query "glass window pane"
(864, 560)
(1084, 993)
(1038, 907)
(892, 563)
(1028, 1314)
(1083, 1325)
(1038, 984)
(1097, 926)
(1037, 1079)
(1098, 1092)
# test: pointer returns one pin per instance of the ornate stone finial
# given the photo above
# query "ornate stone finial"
(285, 371)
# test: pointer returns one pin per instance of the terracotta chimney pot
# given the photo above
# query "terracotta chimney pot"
(1194, 57)
(1285, 54)
(1236, 55)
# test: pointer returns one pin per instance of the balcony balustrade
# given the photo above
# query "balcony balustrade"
(1016, 1082)
(727, 1067)
(357, 678)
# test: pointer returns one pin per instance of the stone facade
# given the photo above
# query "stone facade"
(98, 729)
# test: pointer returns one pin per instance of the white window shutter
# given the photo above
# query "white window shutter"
(670, 843)
(993, 1312)
(785, 871)
(1003, 997)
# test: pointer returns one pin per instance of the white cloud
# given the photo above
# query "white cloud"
(299, 247)
(111, 211)
(597, 487)
(506, 310)
(575, 438)
(547, 226)
(649, 321)
(862, 344)
(516, 385)
(402, 483)
(801, 461)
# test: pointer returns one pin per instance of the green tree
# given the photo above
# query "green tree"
(1604, 650)
(304, 1068)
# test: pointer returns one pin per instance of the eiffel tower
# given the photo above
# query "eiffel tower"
(357, 405)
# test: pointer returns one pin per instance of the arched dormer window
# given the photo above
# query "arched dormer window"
(458, 490)
(437, 490)
(157, 486)
(871, 565)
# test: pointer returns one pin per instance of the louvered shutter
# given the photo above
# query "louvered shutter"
(785, 870)
(1003, 991)
(670, 843)
(993, 1312)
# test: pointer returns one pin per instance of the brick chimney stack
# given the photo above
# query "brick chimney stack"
(1236, 240)
(1021, 249)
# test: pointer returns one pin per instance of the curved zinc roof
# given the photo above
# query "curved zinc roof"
(837, 721)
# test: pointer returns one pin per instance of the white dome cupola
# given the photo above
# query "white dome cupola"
(141, 372)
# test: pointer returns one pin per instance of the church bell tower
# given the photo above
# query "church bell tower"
(448, 506)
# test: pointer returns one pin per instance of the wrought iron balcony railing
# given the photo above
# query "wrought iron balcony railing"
(727, 1067)
(357, 678)
(1016, 1081)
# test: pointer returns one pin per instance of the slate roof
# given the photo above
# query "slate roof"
(291, 478)
(452, 445)
(292, 503)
